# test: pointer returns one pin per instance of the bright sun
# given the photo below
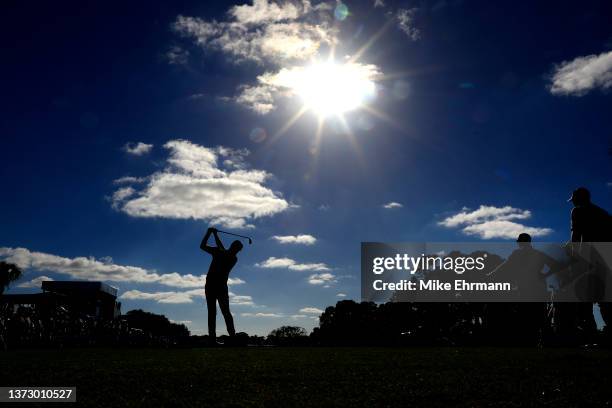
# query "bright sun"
(329, 88)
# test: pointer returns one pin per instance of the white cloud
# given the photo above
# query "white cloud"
(262, 32)
(159, 297)
(259, 99)
(185, 322)
(488, 222)
(177, 55)
(261, 314)
(137, 149)
(405, 22)
(182, 297)
(392, 204)
(485, 213)
(194, 185)
(243, 300)
(262, 11)
(341, 294)
(379, 3)
(322, 279)
(129, 180)
(311, 310)
(503, 229)
(583, 74)
(288, 263)
(35, 283)
(303, 239)
(90, 268)
(121, 195)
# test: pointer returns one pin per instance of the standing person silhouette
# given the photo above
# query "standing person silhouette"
(525, 321)
(524, 268)
(223, 260)
(590, 223)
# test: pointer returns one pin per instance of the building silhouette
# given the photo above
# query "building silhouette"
(95, 299)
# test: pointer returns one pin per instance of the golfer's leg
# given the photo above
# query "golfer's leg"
(227, 315)
(211, 304)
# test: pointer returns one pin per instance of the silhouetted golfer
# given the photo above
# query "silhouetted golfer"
(216, 282)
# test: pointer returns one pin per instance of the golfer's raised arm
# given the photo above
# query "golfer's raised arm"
(217, 239)
(204, 245)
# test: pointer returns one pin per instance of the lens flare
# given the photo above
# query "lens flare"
(258, 135)
(341, 12)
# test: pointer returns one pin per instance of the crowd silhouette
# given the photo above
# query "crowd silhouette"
(59, 327)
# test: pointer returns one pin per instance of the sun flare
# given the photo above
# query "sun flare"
(329, 88)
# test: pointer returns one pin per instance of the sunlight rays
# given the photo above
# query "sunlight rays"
(332, 87)
(289, 124)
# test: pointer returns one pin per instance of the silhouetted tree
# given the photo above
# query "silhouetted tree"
(426, 323)
(8, 273)
(288, 336)
(349, 323)
(157, 325)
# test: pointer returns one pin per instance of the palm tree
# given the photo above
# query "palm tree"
(8, 273)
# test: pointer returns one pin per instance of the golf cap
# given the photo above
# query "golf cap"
(580, 194)
(524, 237)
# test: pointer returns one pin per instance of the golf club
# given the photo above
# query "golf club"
(237, 235)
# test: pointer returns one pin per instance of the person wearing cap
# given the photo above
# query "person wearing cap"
(590, 223)
(525, 269)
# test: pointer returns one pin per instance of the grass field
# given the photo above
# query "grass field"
(319, 377)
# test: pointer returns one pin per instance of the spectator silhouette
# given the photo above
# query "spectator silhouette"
(589, 223)
(8, 273)
(216, 282)
(524, 268)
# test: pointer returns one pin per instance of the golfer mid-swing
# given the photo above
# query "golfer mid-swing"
(223, 260)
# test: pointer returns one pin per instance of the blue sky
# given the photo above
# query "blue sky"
(488, 112)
